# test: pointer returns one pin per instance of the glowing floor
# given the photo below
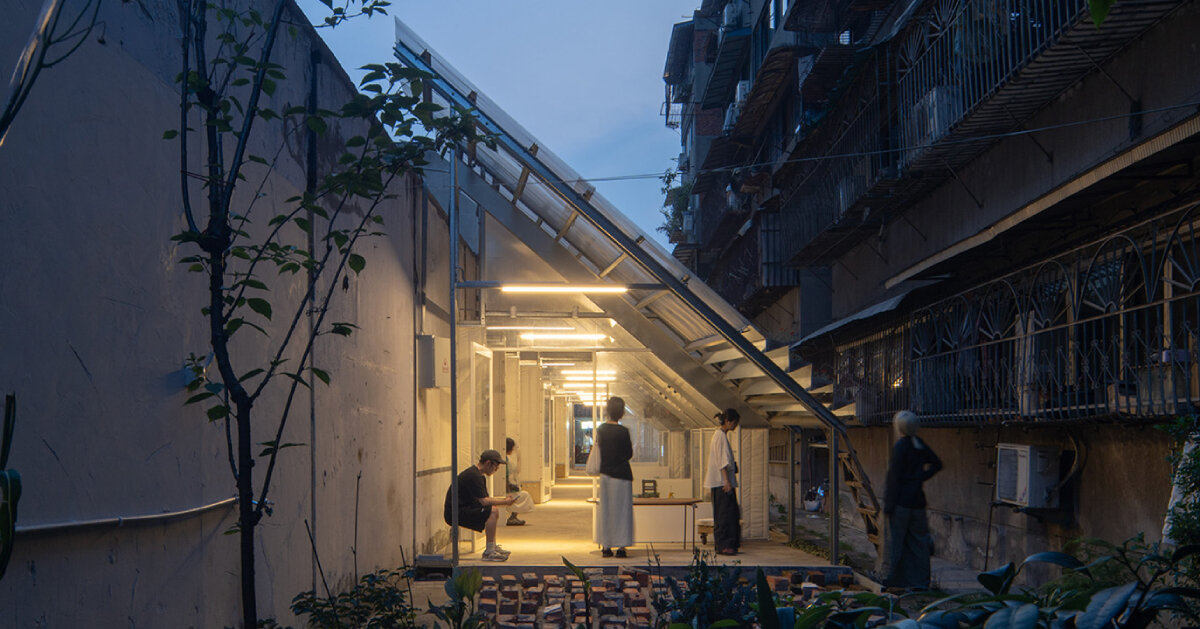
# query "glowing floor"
(562, 527)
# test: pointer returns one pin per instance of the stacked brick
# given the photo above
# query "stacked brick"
(620, 601)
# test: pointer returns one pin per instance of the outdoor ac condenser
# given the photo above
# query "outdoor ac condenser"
(1026, 475)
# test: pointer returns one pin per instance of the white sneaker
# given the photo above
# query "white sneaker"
(502, 550)
(492, 555)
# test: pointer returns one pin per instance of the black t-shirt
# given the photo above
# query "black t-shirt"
(471, 487)
(616, 449)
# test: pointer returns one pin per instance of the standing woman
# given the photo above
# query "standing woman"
(614, 522)
(908, 542)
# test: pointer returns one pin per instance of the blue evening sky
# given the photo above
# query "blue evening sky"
(584, 77)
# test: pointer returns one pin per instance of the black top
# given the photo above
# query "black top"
(471, 487)
(910, 466)
(615, 450)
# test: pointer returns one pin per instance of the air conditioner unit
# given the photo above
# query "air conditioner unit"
(731, 117)
(933, 115)
(743, 91)
(1027, 476)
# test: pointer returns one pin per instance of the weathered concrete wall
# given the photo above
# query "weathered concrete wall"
(97, 317)
(1120, 490)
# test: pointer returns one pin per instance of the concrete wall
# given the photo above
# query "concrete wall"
(97, 318)
(1121, 489)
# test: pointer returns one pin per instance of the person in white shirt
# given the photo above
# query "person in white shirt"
(721, 480)
(511, 482)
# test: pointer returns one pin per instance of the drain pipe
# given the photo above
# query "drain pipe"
(122, 522)
(453, 218)
(832, 498)
(419, 252)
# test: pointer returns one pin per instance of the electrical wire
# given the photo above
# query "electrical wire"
(968, 140)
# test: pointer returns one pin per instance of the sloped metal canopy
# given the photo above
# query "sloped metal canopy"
(699, 346)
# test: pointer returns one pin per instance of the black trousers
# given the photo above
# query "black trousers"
(727, 520)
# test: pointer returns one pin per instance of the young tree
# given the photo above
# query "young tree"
(228, 82)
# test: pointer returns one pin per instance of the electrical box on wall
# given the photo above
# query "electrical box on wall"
(433, 361)
(1026, 475)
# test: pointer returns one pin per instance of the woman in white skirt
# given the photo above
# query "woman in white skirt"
(614, 522)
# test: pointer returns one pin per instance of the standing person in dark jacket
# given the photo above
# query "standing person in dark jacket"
(614, 516)
(908, 542)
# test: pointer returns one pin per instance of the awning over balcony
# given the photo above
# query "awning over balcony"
(773, 74)
(680, 343)
(732, 46)
(870, 312)
(679, 53)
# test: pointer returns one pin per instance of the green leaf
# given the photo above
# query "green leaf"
(1104, 606)
(1099, 10)
(249, 374)
(199, 397)
(297, 378)
(320, 373)
(317, 125)
(999, 580)
(767, 616)
(1058, 559)
(170, 134)
(259, 305)
(218, 412)
(232, 325)
(343, 329)
(252, 283)
(356, 263)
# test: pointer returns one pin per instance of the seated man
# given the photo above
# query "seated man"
(476, 509)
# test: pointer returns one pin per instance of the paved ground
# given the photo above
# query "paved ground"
(562, 527)
(946, 576)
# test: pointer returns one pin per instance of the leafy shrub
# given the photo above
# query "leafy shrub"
(380, 600)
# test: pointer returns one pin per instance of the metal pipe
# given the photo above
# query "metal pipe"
(454, 356)
(834, 488)
(791, 519)
(122, 522)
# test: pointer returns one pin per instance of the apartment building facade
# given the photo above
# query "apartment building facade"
(982, 211)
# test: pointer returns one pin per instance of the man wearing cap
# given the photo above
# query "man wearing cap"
(476, 509)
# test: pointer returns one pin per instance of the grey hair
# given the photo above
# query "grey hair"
(907, 423)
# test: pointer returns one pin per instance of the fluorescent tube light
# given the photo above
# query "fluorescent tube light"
(563, 288)
(562, 336)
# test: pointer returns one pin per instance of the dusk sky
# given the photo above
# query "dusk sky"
(584, 77)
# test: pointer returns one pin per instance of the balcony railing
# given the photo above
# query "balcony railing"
(963, 77)
(751, 273)
(975, 52)
(1111, 329)
(830, 198)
